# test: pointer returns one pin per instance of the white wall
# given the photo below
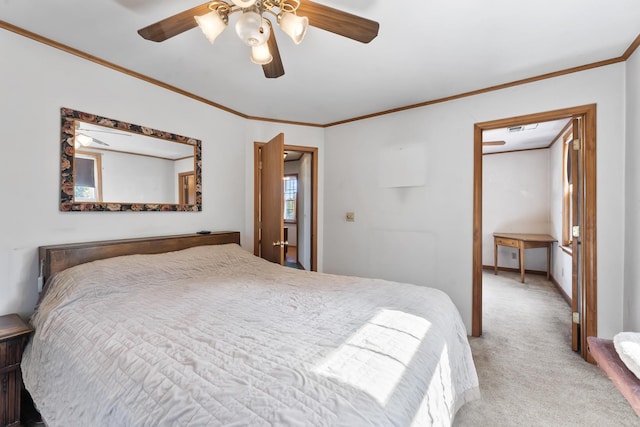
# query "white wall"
(139, 179)
(420, 234)
(424, 234)
(35, 81)
(632, 193)
(515, 199)
(304, 221)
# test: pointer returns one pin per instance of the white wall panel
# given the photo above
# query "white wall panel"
(35, 81)
(515, 200)
(443, 208)
(632, 192)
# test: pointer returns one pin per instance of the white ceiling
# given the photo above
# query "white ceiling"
(524, 137)
(425, 50)
(107, 139)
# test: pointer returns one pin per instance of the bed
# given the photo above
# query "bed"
(196, 331)
(607, 358)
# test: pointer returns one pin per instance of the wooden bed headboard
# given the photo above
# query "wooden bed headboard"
(55, 258)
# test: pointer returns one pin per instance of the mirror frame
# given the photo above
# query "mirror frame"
(68, 117)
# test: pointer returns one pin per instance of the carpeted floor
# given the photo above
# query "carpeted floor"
(528, 374)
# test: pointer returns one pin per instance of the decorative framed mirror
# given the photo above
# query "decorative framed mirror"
(110, 165)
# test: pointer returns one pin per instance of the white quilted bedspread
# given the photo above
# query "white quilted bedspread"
(215, 336)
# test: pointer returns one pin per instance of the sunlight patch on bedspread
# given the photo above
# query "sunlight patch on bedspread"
(375, 358)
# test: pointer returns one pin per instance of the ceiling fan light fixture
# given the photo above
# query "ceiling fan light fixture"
(244, 3)
(83, 139)
(260, 54)
(252, 29)
(293, 25)
(211, 25)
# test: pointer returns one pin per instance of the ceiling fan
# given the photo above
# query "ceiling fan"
(292, 16)
(86, 140)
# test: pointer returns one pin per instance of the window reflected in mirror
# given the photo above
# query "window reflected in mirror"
(88, 177)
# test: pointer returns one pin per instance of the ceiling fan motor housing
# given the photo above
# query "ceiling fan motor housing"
(252, 29)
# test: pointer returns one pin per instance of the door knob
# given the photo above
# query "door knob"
(279, 243)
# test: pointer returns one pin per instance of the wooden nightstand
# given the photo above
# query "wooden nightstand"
(13, 336)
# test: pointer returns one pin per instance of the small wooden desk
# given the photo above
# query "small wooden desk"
(522, 241)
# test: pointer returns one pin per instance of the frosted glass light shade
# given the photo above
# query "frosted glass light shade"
(251, 29)
(83, 139)
(244, 3)
(211, 25)
(260, 54)
(294, 26)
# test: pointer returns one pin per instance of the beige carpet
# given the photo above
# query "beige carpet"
(528, 374)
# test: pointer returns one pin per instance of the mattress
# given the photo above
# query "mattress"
(216, 336)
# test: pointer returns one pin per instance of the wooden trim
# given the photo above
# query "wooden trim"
(513, 270)
(515, 151)
(55, 258)
(527, 119)
(286, 122)
(100, 61)
(476, 312)
(134, 74)
(632, 48)
(589, 316)
(553, 141)
(567, 220)
(28, 34)
(181, 183)
(485, 90)
(564, 129)
(314, 197)
(589, 239)
(256, 197)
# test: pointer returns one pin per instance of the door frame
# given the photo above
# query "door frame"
(313, 151)
(588, 314)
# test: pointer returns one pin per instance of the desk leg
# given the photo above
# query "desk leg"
(495, 258)
(548, 260)
(522, 262)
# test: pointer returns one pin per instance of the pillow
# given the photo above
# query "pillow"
(627, 346)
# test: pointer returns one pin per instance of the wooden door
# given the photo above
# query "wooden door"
(271, 215)
(187, 186)
(576, 228)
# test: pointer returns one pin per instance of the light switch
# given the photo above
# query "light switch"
(351, 217)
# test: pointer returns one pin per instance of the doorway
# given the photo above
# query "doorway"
(585, 273)
(301, 224)
(187, 188)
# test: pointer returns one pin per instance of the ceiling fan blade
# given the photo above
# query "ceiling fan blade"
(97, 141)
(174, 25)
(493, 143)
(338, 22)
(273, 69)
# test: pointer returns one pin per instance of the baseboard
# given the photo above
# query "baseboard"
(515, 270)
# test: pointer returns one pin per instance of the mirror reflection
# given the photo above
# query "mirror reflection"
(113, 165)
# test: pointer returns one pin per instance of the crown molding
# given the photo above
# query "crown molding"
(28, 34)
